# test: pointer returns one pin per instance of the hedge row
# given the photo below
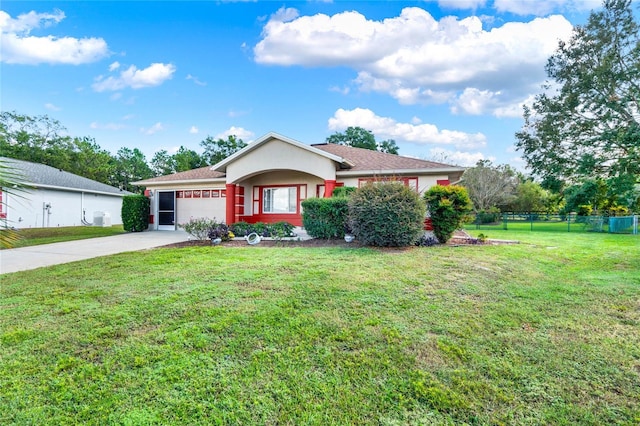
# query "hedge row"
(386, 214)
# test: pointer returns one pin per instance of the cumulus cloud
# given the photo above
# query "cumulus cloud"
(114, 66)
(415, 58)
(418, 133)
(20, 47)
(244, 134)
(158, 127)
(194, 130)
(154, 75)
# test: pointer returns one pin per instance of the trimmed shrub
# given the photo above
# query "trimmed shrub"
(135, 213)
(273, 230)
(386, 214)
(325, 217)
(343, 191)
(280, 229)
(448, 206)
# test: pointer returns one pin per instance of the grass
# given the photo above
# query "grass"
(542, 332)
(36, 236)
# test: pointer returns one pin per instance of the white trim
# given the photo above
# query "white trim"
(421, 172)
(30, 186)
(221, 166)
(179, 182)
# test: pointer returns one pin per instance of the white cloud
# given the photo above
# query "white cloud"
(385, 128)
(415, 58)
(116, 96)
(239, 132)
(459, 158)
(154, 75)
(194, 130)
(106, 126)
(52, 107)
(19, 47)
(461, 4)
(544, 7)
(284, 15)
(158, 127)
(195, 80)
(114, 66)
(342, 90)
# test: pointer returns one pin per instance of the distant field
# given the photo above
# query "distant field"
(37, 236)
(542, 332)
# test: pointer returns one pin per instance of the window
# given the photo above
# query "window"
(280, 200)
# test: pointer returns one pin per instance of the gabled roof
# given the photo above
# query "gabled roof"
(202, 174)
(366, 160)
(43, 176)
(222, 166)
(350, 161)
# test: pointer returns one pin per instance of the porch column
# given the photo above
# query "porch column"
(231, 204)
(329, 186)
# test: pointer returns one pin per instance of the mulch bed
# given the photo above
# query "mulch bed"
(459, 238)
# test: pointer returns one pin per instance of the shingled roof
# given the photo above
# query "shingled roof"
(203, 173)
(368, 160)
(40, 175)
(348, 159)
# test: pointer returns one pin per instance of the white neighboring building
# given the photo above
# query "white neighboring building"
(58, 198)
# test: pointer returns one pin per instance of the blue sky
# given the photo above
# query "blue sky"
(444, 79)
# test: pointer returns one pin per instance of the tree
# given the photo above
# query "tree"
(162, 163)
(589, 127)
(130, 166)
(36, 139)
(358, 137)
(90, 161)
(217, 150)
(531, 197)
(39, 140)
(187, 159)
(488, 185)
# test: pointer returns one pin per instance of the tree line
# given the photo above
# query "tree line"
(42, 139)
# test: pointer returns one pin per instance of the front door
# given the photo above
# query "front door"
(166, 210)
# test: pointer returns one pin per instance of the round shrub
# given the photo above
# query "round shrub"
(448, 206)
(386, 214)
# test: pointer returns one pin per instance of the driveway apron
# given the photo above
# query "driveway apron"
(25, 258)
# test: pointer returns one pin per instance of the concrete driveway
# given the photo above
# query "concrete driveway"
(22, 259)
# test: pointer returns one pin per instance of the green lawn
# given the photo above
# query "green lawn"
(542, 332)
(36, 236)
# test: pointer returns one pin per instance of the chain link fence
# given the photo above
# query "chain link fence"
(540, 221)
